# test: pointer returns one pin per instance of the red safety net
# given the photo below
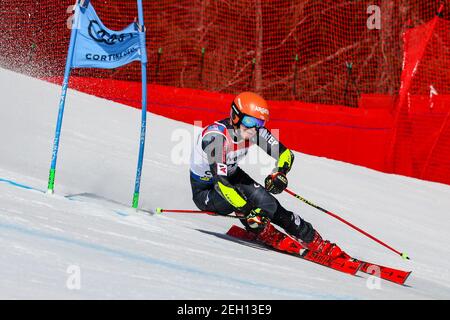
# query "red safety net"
(328, 51)
(421, 141)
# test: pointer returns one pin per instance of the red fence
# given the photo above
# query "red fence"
(356, 135)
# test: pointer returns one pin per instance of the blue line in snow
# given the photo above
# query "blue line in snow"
(291, 293)
(120, 213)
(75, 198)
(23, 186)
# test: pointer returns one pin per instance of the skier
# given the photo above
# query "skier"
(219, 185)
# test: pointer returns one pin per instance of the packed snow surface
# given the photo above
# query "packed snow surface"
(84, 242)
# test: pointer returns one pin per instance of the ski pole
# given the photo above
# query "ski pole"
(402, 254)
(210, 213)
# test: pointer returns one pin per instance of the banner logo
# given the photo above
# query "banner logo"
(101, 35)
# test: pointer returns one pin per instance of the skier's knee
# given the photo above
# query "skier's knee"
(269, 204)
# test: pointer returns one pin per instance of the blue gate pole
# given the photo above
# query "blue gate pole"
(137, 184)
(62, 102)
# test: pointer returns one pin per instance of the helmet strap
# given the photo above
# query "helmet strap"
(235, 112)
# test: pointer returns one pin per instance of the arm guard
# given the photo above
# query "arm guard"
(285, 161)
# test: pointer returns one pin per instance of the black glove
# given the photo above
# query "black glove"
(276, 182)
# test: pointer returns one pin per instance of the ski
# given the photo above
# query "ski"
(276, 239)
(386, 273)
(284, 243)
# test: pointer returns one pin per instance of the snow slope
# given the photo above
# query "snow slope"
(84, 243)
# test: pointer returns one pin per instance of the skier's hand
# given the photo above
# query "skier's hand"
(276, 182)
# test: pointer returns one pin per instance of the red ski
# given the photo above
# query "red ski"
(386, 273)
(276, 239)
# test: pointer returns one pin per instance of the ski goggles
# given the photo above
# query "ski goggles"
(251, 122)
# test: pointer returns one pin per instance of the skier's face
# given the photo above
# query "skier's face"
(247, 133)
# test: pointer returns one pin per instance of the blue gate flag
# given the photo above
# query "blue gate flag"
(92, 45)
(96, 46)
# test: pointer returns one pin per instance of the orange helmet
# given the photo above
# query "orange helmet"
(249, 104)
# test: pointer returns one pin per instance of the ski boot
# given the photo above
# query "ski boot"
(325, 247)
